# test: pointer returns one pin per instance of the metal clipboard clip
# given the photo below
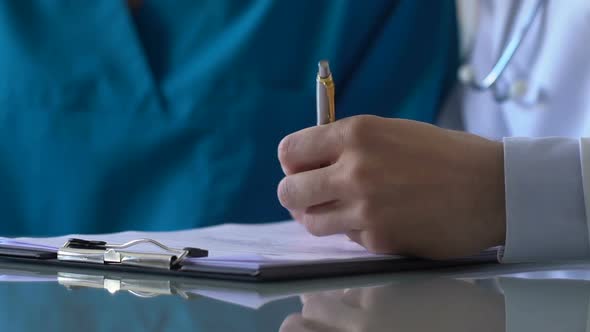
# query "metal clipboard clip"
(100, 252)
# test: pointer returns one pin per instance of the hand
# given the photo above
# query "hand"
(435, 305)
(396, 186)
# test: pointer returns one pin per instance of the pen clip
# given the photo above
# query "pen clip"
(330, 94)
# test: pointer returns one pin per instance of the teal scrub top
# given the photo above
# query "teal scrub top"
(169, 116)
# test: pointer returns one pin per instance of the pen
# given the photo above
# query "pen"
(325, 106)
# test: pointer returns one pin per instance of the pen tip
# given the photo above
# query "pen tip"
(324, 69)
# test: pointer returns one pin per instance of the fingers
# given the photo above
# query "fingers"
(328, 219)
(302, 190)
(310, 148)
(377, 241)
(355, 236)
(296, 215)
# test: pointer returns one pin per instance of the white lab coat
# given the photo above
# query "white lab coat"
(554, 61)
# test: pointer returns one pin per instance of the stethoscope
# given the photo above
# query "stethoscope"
(490, 82)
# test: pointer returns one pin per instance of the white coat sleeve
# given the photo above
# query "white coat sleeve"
(545, 202)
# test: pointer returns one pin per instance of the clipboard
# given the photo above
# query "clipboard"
(99, 255)
(276, 251)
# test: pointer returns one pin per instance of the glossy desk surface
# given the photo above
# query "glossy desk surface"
(478, 298)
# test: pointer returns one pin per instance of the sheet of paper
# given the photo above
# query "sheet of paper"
(247, 243)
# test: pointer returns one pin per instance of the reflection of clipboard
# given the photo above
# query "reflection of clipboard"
(140, 287)
(249, 295)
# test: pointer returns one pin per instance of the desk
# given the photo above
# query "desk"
(486, 298)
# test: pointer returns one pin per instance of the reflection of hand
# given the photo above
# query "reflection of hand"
(396, 186)
(440, 305)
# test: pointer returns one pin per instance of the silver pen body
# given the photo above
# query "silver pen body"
(325, 93)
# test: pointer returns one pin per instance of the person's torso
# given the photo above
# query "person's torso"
(170, 117)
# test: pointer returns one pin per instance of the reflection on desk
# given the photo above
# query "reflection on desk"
(449, 305)
(67, 300)
(50, 307)
(434, 305)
